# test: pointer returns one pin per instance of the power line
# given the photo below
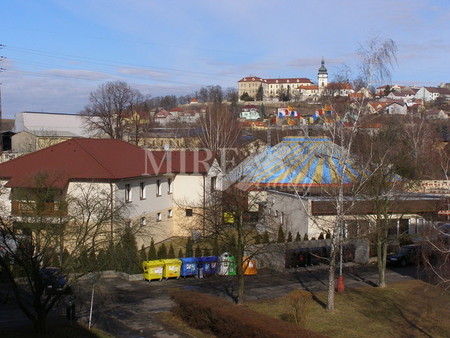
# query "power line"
(67, 57)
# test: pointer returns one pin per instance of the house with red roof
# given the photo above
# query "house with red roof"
(160, 188)
(432, 93)
(163, 117)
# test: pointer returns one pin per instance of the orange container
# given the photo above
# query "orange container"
(249, 266)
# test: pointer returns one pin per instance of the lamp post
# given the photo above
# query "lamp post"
(340, 281)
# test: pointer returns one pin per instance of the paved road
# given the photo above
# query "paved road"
(136, 303)
(129, 309)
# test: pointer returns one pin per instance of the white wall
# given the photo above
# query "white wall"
(5, 202)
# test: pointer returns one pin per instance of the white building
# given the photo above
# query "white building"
(160, 188)
(432, 93)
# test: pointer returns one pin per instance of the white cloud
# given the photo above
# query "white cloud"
(78, 74)
(143, 72)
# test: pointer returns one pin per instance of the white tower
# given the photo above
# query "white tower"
(322, 77)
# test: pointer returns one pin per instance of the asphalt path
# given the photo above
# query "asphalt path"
(130, 309)
(135, 304)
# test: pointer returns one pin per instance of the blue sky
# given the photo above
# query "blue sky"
(58, 51)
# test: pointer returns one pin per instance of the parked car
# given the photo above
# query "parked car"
(408, 254)
(54, 280)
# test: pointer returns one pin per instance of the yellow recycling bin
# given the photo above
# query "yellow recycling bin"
(172, 268)
(153, 270)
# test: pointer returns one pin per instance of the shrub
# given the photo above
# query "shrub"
(197, 251)
(289, 238)
(281, 236)
(189, 248)
(180, 253)
(152, 251)
(162, 252)
(265, 238)
(171, 253)
(225, 319)
(299, 303)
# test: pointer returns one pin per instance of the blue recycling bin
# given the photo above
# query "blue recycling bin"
(188, 266)
(209, 265)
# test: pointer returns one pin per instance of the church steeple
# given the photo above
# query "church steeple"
(322, 76)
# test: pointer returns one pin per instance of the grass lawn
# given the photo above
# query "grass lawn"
(404, 309)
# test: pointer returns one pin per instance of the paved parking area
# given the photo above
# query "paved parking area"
(128, 309)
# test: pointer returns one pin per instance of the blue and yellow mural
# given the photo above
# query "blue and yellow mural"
(297, 162)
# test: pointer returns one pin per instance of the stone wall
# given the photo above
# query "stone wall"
(273, 256)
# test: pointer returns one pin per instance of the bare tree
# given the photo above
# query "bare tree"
(50, 227)
(108, 107)
(436, 254)
(232, 219)
(377, 56)
(220, 132)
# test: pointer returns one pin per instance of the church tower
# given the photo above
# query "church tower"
(322, 77)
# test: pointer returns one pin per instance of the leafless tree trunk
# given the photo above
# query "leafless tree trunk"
(80, 222)
(108, 108)
(220, 132)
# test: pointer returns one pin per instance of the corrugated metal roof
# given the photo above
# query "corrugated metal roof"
(51, 123)
(296, 162)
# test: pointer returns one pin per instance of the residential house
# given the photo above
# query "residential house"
(435, 114)
(432, 93)
(295, 180)
(396, 107)
(250, 112)
(160, 188)
(163, 117)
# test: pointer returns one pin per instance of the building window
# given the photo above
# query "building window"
(170, 184)
(189, 212)
(169, 213)
(142, 190)
(213, 183)
(158, 187)
(143, 221)
(158, 217)
(128, 193)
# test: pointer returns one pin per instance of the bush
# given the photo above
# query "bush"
(225, 319)
(281, 237)
(299, 303)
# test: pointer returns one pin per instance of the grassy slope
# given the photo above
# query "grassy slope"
(405, 309)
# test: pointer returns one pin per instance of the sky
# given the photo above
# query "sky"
(56, 52)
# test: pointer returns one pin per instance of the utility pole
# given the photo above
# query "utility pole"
(1, 115)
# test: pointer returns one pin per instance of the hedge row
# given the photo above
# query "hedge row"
(225, 319)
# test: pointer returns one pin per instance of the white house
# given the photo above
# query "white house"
(432, 93)
(160, 188)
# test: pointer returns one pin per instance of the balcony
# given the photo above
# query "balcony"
(55, 209)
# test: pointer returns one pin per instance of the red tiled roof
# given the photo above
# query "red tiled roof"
(252, 79)
(289, 80)
(443, 91)
(308, 87)
(162, 114)
(99, 160)
(339, 85)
